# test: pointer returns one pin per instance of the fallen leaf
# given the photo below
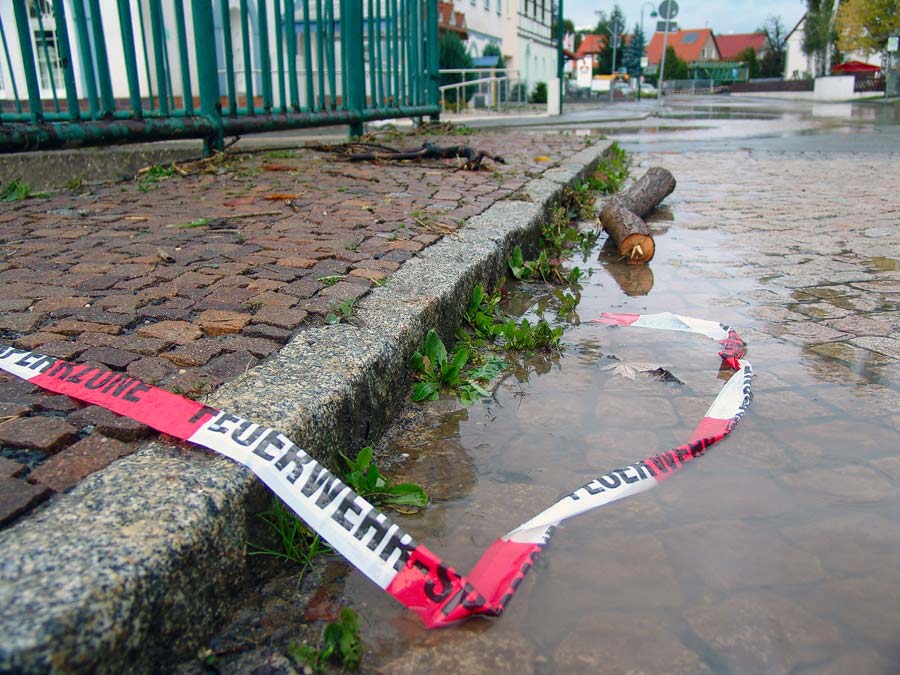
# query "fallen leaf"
(631, 369)
(542, 158)
(279, 196)
(279, 167)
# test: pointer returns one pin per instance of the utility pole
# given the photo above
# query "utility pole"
(668, 10)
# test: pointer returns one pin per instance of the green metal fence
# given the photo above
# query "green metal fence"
(104, 71)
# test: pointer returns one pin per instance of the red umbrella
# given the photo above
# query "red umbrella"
(855, 67)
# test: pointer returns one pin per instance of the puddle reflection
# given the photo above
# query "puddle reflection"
(776, 554)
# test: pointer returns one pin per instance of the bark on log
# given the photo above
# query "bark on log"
(646, 194)
(630, 232)
(622, 216)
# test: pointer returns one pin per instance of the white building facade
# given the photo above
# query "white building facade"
(527, 41)
(798, 65)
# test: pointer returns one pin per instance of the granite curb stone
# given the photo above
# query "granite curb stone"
(139, 562)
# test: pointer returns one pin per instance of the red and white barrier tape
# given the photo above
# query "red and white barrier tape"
(378, 548)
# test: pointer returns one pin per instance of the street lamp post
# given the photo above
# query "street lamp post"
(668, 9)
(615, 40)
(641, 55)
(662, 65)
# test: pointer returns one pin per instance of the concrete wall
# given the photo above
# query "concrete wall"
(831, 88)
(836, 88)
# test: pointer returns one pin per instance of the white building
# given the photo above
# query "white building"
(44, 46)
(527, 45)
(484, 23)
(324, 59)
(798, 65)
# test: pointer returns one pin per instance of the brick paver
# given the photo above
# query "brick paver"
(188, 282)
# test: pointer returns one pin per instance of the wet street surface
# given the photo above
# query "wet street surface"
(779, 551)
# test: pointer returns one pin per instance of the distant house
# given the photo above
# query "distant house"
(689, 45)
(449, 20)
(591, 46)
(798, 65)
(732, 46)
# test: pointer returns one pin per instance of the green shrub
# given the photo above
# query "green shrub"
(539, 95)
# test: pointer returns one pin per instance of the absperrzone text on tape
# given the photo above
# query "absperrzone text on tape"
(371, 541)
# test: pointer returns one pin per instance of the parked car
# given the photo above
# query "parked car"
(648, 89)
(623, 90)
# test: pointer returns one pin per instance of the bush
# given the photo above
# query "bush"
(539, 95)
(748, 57)
(518, 93)
(452, 54)
(676, 67)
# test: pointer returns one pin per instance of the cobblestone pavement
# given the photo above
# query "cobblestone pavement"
(186, 281)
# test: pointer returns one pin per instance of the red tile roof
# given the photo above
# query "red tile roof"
(732, 45)
(448, 19)
(688, 44)
(591, 44)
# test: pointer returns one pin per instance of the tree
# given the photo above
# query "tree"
(748, 58)
(568, 26)
(604, 28)
(676, 67)
(491, 49)
(818, 33)
(772, 62)
(867, 24)
(616, 30)
(631, 59)
(452, 54)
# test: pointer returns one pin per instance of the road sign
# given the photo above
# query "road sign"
(585, 71)
(661, 26)
(893, 44)
(668, 9)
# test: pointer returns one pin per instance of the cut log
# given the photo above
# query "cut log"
(629, 231)
(622, 216)
(646, 194)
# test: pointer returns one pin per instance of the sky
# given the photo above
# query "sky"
(723, 16)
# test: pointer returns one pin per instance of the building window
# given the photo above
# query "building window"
(487, 5)
(45, 46)
(42, 7)
(43, 24)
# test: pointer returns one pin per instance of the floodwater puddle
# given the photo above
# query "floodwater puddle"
(777, 552)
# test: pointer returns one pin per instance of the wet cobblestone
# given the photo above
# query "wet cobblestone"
(189, 281)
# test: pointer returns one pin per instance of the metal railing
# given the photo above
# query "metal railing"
(868, 82)
(773, 85)
(696, 86)
(481, 89)
(105, 71)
